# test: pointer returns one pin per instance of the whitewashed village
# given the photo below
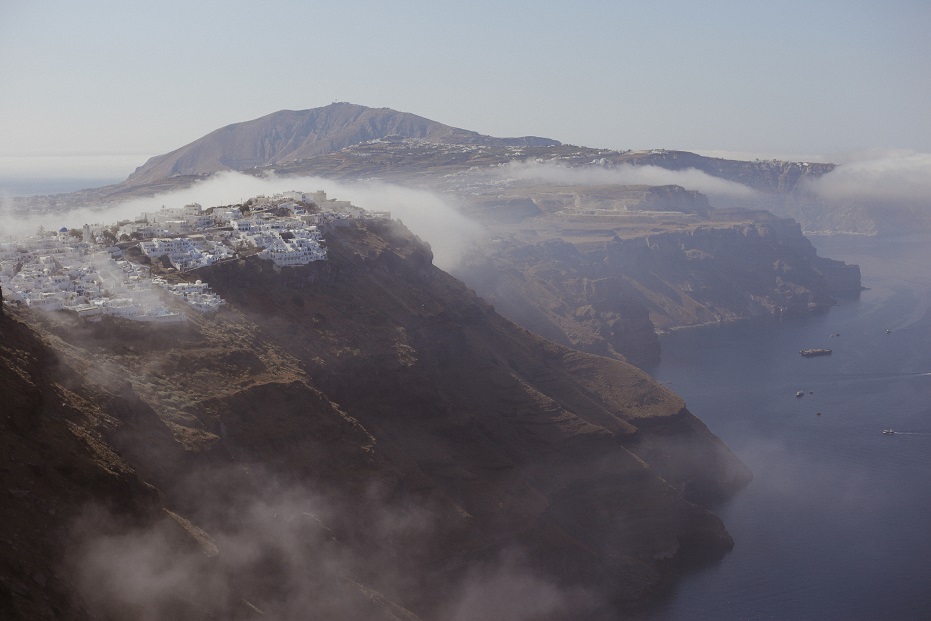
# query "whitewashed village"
(96, 271)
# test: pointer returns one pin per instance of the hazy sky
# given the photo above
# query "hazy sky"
(128, 80)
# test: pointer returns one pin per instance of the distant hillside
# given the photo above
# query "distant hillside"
(290, 135)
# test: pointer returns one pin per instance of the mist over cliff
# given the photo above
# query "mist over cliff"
(360, 437)
(877, 192)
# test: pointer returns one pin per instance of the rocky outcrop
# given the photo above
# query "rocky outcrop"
(675, 198)
(355, 437)
(552, 289)
(763, 267)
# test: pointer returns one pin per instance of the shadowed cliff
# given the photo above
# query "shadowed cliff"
(363, 437)
(602, 287)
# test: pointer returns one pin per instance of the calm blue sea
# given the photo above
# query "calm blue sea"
(837, 521)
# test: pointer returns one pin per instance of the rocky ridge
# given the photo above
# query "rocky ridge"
(290, 135)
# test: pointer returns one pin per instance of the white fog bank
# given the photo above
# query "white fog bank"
(625, 174)
(878, 175)
(432, 217)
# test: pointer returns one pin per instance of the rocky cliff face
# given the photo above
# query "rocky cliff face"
(608, 295)
(361, 438)
(762, 267)
(551, 289)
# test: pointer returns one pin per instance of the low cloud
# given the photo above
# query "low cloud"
(625, 174)
(269, 553)
(509, 590)
(285, 552)
(877, 176)
(431, 216)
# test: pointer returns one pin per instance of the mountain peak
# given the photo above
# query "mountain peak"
(289, 135)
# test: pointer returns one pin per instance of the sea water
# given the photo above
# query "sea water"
(837, 521)
(40, 186)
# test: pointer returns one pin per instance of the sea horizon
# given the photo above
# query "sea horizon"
(18, 187)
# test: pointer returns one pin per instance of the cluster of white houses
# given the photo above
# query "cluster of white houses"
(285, 227)
(196, 295)
(187, 253)
(58, 271)
(78, 271)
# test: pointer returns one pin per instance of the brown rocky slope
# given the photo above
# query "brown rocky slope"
(361, 437)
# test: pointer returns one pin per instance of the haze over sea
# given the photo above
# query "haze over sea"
(39, 186)
(31, 175)
(837, 521)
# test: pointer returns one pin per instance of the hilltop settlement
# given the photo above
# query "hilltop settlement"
(132, 269)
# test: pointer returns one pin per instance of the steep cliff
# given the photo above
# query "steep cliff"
(712, 274)
(55, 461)
(361, 437)
(552, 288)
(604, 285)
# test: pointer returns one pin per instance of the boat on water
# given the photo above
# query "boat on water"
(800, 394)
(810, 353)
(888, 432)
